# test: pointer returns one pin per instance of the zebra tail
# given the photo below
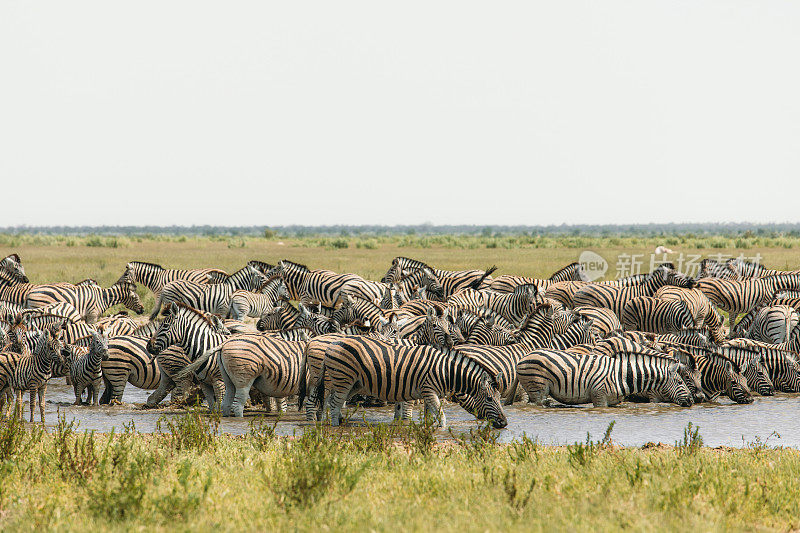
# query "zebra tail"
(188, 369)
(301, 389)
(486, 274)
(512, 392)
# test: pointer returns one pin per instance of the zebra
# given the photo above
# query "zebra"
(512, 307)
(783, 365)
(772, 324)
(128, 362)
(287, 317)
(155, 277)
(356, 308)
(453, 281)
(564, 291)
(711, 268)
(12, 265)
(215, 298)
(574, 379)
(489, 334)
(117, 324)
(736, 297)
(705, 313)
(421, 278)
(507, 283)
(84, 367)
(402, 373)
(646, 313)
(578, 332)
(535, 332)
(255, 304)
(604, 320)
(720, 374)
(195, 332)
(62, 309)
(90, 301)
(404, 266)
(312, 286)
(365, 289)
(615, 297)
(33, 371)
(269, 363)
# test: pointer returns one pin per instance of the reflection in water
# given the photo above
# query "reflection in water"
(724, 424)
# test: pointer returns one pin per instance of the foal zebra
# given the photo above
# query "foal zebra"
(313, 286)
(33, 371)
(84, 367)
(255, 304)
(155, 277)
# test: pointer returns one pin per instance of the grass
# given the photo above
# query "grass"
(326, 479)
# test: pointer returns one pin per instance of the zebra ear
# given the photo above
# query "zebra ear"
(430, 313)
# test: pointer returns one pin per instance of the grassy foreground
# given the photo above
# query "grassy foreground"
(187, 477)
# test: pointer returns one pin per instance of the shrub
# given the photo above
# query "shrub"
(191, 431)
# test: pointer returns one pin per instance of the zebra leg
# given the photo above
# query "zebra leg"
(230, 390)
(537, 393)
(599, 398)
(18, 404)
(33, 403)
(240, 396)
(42, 391)
(403, 410)
(512, 392)
(165, 385)
(219, 393)
(283, 404)
(78, 394)
(731, 321)
(208, 393)
(337, 402)
(433, 407)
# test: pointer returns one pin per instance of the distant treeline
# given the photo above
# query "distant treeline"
(737, 229)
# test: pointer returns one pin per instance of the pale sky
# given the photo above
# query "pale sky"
(239, 113)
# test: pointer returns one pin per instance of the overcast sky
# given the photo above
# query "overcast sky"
(229, 113)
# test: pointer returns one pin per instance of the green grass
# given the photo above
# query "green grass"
(382, 478)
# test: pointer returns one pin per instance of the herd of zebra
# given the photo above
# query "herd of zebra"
(271, 332)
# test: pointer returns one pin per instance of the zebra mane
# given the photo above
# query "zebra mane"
(295, 265)
(145, 263)
(195, 313)
(260, 265)
(566, 268)
(14, 257)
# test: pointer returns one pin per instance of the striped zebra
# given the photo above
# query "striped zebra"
(33, 371)
(489, 334)
(604, 320)
(84, 367)
(155, 277)
(578, 332)
(615, 297)
(574, 379)
(425, 279)
(355, 308)
(711, 268)
(269, 363)
(720, 375)
(513, 307)
(737, 297)
(782, 364)
(287, 317)
(403, 266)
(195, 332)
(128, 362)
(453, 281)
(215, 298)
(63, 309)
(650, 314)
(312, 286)
(255, 304)
(535, 332)
(704, 312)
(564, 291)
(117, 324)
(12, 265)
(90, 301)
(403, 373)
(695, 337)
(365, 289)
(572, 272)
(507, 283)
(772, 324)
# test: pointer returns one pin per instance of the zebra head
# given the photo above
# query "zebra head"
(12, 264)
(674, 388)
(736, 384)
(316, 324)
(438, 331)
(54, 343)
(168, 332)
(482, 394)
(99, 343)
(788, 379)
(673, 277)
(129, 298)
(394, 274)
(755, 373)
(691, 375)
(271, 320)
